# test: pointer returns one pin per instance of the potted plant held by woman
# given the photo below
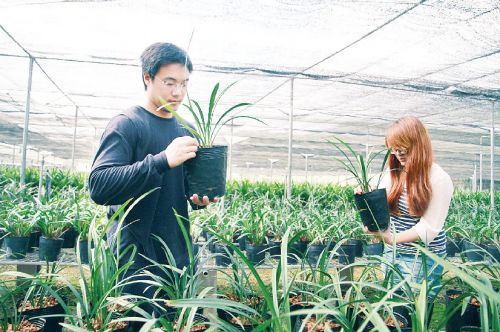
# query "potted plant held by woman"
(371, 202)
(206, 173)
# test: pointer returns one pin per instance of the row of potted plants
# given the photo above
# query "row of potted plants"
(306, 299)
(28, 221)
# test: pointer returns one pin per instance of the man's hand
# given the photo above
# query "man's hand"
(203, 202)
(180, 150)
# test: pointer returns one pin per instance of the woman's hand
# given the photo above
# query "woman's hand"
(359, 191)
(386, 235)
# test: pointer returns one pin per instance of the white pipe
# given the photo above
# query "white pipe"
(26, 124)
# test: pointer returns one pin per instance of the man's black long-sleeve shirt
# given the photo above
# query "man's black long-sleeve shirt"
(130, 162)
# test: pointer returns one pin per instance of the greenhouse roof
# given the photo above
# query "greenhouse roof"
(355, 66)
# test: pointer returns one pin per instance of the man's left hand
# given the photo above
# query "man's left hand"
(204, 201)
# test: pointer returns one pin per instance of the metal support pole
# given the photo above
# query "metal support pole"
(40, 181)
(474, 179)
(492, 163)
(26, 124)
(230, 154)
(74, 139)
(290, 138)
(307, 155)
(481, 163)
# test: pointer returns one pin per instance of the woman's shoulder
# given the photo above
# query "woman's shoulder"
(439, 176)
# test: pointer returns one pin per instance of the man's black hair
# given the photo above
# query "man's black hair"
(159, 54)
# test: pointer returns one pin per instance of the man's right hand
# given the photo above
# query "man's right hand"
(180, 150)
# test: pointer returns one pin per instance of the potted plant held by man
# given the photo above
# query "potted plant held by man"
(206, 173)
(372, 201)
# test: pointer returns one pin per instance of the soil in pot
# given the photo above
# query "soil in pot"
(313, 325)
(373, 209)
(31, 325)
(17, 247)
(390, 323)
(200, 322)
(49, 249)
(206, 173)
(248, 325)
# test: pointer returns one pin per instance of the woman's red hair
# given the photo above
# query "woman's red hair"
(410, 133)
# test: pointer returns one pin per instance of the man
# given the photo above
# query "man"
(142, 149)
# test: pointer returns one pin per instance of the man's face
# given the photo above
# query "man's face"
(170, 83)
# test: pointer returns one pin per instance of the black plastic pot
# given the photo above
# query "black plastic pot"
(51, 323)
(472, 251)
(34, 241)
(331, 245)
(275, 249)
(206, 173)
(70, 236)
(470, 329)
(453, 247)
(242, 240)
(211, 243)
(358, 245)
(296, 252)
(494, 251)
(39, 323)
(374, 249)
(256, 254)
(295, 318)
(373, 209)
(17, 247)
(314, 252)
(2, 235)
(83, 247)
(226, 316)
(223, 253)
(471, 316)
(347, 253)
(49, 249)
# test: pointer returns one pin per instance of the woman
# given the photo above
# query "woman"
(419, 194)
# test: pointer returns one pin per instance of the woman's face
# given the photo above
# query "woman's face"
(401, 154)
